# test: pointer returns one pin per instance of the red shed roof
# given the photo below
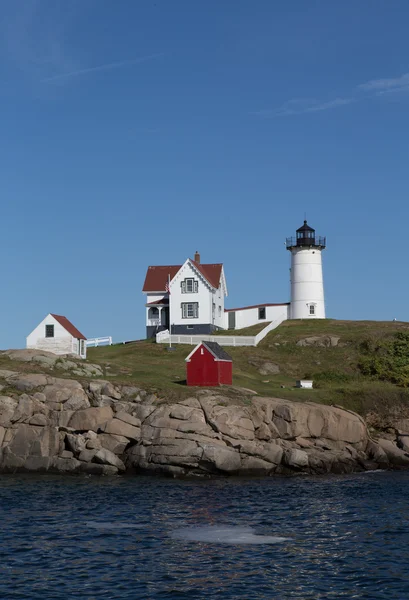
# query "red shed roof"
(68, 326)
(157, 276)
(214, 348)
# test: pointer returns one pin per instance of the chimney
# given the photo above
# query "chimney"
(197, 257)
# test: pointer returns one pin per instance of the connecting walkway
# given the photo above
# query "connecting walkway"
(164, 337)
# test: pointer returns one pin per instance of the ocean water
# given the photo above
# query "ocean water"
(254, 539)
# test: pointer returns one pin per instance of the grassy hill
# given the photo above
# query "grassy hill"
(348, 361)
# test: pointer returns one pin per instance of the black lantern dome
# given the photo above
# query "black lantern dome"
(305, 237)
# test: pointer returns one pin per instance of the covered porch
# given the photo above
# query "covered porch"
(157, 318)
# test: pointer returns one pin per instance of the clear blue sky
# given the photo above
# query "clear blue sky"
(136, 132)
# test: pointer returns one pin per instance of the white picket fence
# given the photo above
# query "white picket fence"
(95, 342)
(163, 337)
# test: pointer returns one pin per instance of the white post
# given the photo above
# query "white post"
(170, 322)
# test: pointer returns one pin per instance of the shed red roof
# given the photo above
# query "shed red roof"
(157, 276)
(68, 326)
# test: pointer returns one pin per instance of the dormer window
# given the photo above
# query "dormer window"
(189, 286)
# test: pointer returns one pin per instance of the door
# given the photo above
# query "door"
(232, 320)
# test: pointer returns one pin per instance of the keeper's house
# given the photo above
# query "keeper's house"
(57, 334)
(187, 299)
(209, 365)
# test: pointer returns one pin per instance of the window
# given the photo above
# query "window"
(189, 286)
(220, 311)
(190, 310)
(312, 309)
(82, 347)
(262, 312)
(49, 331)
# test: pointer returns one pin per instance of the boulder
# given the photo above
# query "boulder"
(107, 457)
(7, 408)
(126, 418)
(251, 465)
(297, 459)
(222, 459)
(325, 341)
(396, 456)
(26, 383)
(109, 390)
(233, 421)
(38, 419)
(65, 465)
(402, 442)
(115, 443)
(75, 442)
(46, 361)
(87, 455)
(93, 418)
(119, 427)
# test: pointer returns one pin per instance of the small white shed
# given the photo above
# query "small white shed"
(57, 334)
(304, 383)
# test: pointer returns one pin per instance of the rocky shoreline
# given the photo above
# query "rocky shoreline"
(55, 424)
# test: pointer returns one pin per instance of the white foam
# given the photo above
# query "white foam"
(225, 535)
(112, 525)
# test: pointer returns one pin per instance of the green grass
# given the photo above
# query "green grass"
(253, 330)
(335, 370)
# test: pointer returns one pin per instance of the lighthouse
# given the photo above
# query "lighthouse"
(307, 287)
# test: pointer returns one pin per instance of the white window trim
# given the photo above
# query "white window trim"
(312, 306)
(184, 285)
(185, 310)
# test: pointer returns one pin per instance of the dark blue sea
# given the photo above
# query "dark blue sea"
(256, 539)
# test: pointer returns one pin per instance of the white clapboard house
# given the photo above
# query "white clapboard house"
(186, 298)
(57, 334)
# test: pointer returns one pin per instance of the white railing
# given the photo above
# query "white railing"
(99, 341)
(163, 337)
(260, 336)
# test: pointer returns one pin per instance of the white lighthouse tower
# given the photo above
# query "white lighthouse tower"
(307, 288)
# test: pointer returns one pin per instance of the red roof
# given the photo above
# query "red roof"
(164, 301)
(210, 272)
(156, 277)
(255, 306)
(68, 326)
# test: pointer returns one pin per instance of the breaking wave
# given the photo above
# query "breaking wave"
(224, 535)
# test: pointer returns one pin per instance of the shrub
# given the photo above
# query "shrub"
(387, 360)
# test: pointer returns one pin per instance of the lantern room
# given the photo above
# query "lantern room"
(305, 237)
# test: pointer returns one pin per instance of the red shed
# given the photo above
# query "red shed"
(208, 364)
